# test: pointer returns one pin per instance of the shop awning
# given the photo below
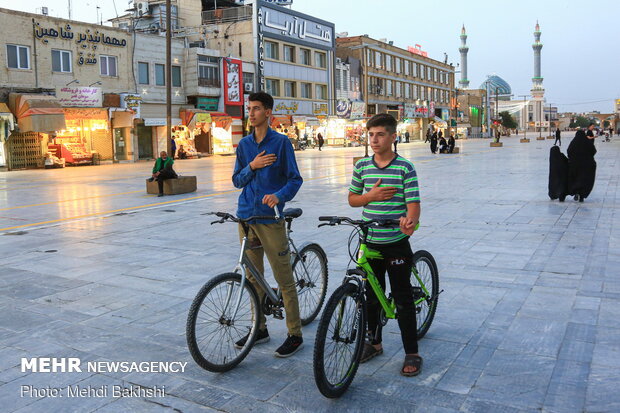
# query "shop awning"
(37, 113)
(296, 119)
(280, 120)
(312, 121)
(463, 125)
(440, 121)
(122, 119)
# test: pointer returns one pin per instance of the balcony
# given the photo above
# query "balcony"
(228, 15)
(208, 82)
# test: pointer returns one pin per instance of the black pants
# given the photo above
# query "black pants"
(557, 140)
(397, 261)
(163, 175)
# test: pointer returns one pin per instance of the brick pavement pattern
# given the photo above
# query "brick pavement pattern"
(91, 267)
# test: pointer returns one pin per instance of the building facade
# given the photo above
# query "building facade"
(406, 83)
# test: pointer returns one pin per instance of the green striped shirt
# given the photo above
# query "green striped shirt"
(400, 173)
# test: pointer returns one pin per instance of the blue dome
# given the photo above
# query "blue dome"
(494, 81)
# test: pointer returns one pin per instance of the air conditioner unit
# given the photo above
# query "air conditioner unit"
(248, 87)
(199, 43)
(142, 7)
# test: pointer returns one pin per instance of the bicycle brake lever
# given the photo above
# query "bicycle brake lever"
(219, 221)
(322, 225)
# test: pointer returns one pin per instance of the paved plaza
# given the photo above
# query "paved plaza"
(91, 267)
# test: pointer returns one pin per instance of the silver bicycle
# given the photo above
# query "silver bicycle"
(227, 307)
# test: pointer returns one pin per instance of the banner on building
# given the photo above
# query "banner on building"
(358, 110)
(80, 97)
(343, 109)
(131, 101)
(233, 78)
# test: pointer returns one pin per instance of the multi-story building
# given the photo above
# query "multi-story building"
(293, 53)
(54, 76)
(407, 83)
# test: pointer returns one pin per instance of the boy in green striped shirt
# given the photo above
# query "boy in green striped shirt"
(386, 185)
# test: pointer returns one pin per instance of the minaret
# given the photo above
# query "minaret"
(537, 80)
(538, 92)
(464, 82)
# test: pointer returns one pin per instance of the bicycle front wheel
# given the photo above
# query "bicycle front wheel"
(425, 283)
(310, 270)
(211, 331)
(339, 341)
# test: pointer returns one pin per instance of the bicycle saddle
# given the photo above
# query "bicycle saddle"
(292, 212)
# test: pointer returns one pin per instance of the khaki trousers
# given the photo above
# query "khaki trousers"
(274, 243)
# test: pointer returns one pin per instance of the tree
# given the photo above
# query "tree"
(582, 122)
(507, 120)
(606, 124)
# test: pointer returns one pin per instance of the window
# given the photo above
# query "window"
(397, 64)
(108, 65)
(406, 67)
(416, 93)
(388, 62)
(338, 76)
(306, 90)
(421, 71)
(397, 88)
(368, 57)
(320, 92)
(248, 77)
(143, 73)
(416, 69)
(61, 61)
(345, 77)
(388, 84)
(304, 57)
(18, 57)
(378, 64)
(209, 71)
(273, 87)
(320, 59)
(289, 53)
(271, 50)
(290, 89)
(176, 76)
(407, 90)
(160, 74)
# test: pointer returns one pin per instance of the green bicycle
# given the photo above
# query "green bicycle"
(340, 335)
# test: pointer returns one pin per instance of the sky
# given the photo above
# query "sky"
(580, 56)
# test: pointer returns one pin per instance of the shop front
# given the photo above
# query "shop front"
(150, 129)
(38, 117)
(86, 139)
(206, 133)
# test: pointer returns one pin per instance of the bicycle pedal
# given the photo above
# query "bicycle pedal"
(278, 314)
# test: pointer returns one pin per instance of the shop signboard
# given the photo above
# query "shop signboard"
(421, 111)
(286, 107)
(208, 103)
(281, 23)
(343, 109)
(431, 109)
(409, 110)
(80, 97)
(131, 101)
(233, 81)
(319, 108)
(445, 114)
(358, 110)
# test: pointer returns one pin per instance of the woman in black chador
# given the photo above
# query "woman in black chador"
(434, 142)
(581, 164)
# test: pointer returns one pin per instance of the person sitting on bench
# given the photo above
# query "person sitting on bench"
(443, 145)
(162, 171)
(181, 154)
(451, 143)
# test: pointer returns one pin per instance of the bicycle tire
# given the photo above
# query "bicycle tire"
(311, 293)
(228, 334)
(335, 388)
(425, 312)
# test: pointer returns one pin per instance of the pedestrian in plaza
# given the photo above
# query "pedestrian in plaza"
(173, 147)
(428, 136)
(558, 136)
(581, 165)
(443, 145)
(398, 202)
(451, 143)
(407, 136)
(434, 142)
(181, 153)
(321, 140)
(396, 142)
(611, 131)
(267, 171)
(162, 170)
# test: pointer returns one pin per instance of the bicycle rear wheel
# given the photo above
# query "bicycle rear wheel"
(212, 333)
(311, 285)
(339, 340)
(426, 289)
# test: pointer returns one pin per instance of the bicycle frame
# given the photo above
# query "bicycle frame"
(389, 306)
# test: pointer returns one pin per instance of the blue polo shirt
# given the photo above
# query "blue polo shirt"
(282, 178)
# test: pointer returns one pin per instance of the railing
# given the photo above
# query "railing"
(208, 82)
(228, 15)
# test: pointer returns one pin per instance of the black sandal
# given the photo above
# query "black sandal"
(369, 352)
(411, 361)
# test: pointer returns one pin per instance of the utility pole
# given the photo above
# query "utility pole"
(169, 79)
(70, 9)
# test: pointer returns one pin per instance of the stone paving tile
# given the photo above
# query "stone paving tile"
(528, 318)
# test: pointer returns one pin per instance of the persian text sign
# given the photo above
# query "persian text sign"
(81, 97)
(233, 93)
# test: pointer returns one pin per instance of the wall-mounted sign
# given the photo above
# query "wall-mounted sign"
(417, 50)
(358, 110)
(343, 109)
(86, 39)
(233, 81)
(319, 108)
(431, 109)
(281, 23)
(81, 97)
(286, 107)
(131, 101)
(208, 103)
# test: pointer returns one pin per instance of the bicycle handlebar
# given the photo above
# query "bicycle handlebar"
(225, 216)
(334, 220)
